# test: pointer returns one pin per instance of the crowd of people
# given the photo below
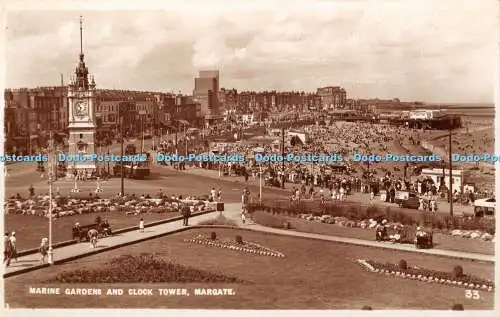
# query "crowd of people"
(337, 181)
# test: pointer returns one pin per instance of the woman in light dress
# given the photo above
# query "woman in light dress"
(141, 225)
(13, 243)
(243, 217)
(44, 249)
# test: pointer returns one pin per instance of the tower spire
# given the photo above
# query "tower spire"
(81, 71)
(81, 36)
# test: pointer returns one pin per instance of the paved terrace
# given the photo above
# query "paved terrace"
(232, 211)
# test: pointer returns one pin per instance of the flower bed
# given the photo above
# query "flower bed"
(129, 206)
(245, 246)
(146, 268)
(367, 217)
(427, 275)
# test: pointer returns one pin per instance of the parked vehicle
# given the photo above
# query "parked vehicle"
(484, 207)
(407, 200)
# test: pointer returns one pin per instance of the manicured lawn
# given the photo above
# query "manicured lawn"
(441, 241)
(31, 229)
(313, 274)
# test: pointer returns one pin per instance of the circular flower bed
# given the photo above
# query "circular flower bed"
(145, 268)
(427, 275)
(245, 246)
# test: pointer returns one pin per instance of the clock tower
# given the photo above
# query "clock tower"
(81, 127)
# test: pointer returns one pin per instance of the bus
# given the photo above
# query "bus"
(136, 170)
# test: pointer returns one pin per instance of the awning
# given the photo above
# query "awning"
(81, 166)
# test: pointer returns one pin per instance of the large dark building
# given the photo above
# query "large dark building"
(206, 93)
(332, 97)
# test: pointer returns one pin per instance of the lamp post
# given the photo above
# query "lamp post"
(186, 139)
(50, 252)
(142, 132)
(450, 167)
(108, 161)
(283, 156)
(122, 192)
(176, 143)
(260, 183)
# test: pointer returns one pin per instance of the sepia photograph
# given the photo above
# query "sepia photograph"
(327, 155)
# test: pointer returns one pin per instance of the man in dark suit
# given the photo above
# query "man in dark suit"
(186, 212)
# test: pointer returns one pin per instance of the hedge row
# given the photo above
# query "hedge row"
(360, 212)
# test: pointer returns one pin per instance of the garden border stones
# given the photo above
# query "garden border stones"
(235, 247)
(422, 278)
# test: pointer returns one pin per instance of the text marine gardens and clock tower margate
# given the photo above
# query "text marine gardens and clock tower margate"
(82, 128)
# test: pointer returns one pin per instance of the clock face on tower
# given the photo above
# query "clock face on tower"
(81, 108)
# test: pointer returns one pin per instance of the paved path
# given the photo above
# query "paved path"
(235, 215)
(233, 212)
(33, 260)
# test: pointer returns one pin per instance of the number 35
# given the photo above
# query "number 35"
(472, 294)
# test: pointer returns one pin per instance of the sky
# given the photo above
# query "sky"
(427, 50)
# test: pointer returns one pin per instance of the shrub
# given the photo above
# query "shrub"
(62, 200)
(373, 212)
(268, 220)
(403, 265)
(457, 272)
(213, 236)
(457, 307)
(220, 220)
(239, 240)
(144, 268)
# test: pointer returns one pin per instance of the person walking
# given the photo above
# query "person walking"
(93, 236)
(44, 248)
(213, 194)
(243, 217)
(13, 240)
(141, 225)
(186, 213)
(244, 200)
(7, 250)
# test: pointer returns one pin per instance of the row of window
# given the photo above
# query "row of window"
(115, 108)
